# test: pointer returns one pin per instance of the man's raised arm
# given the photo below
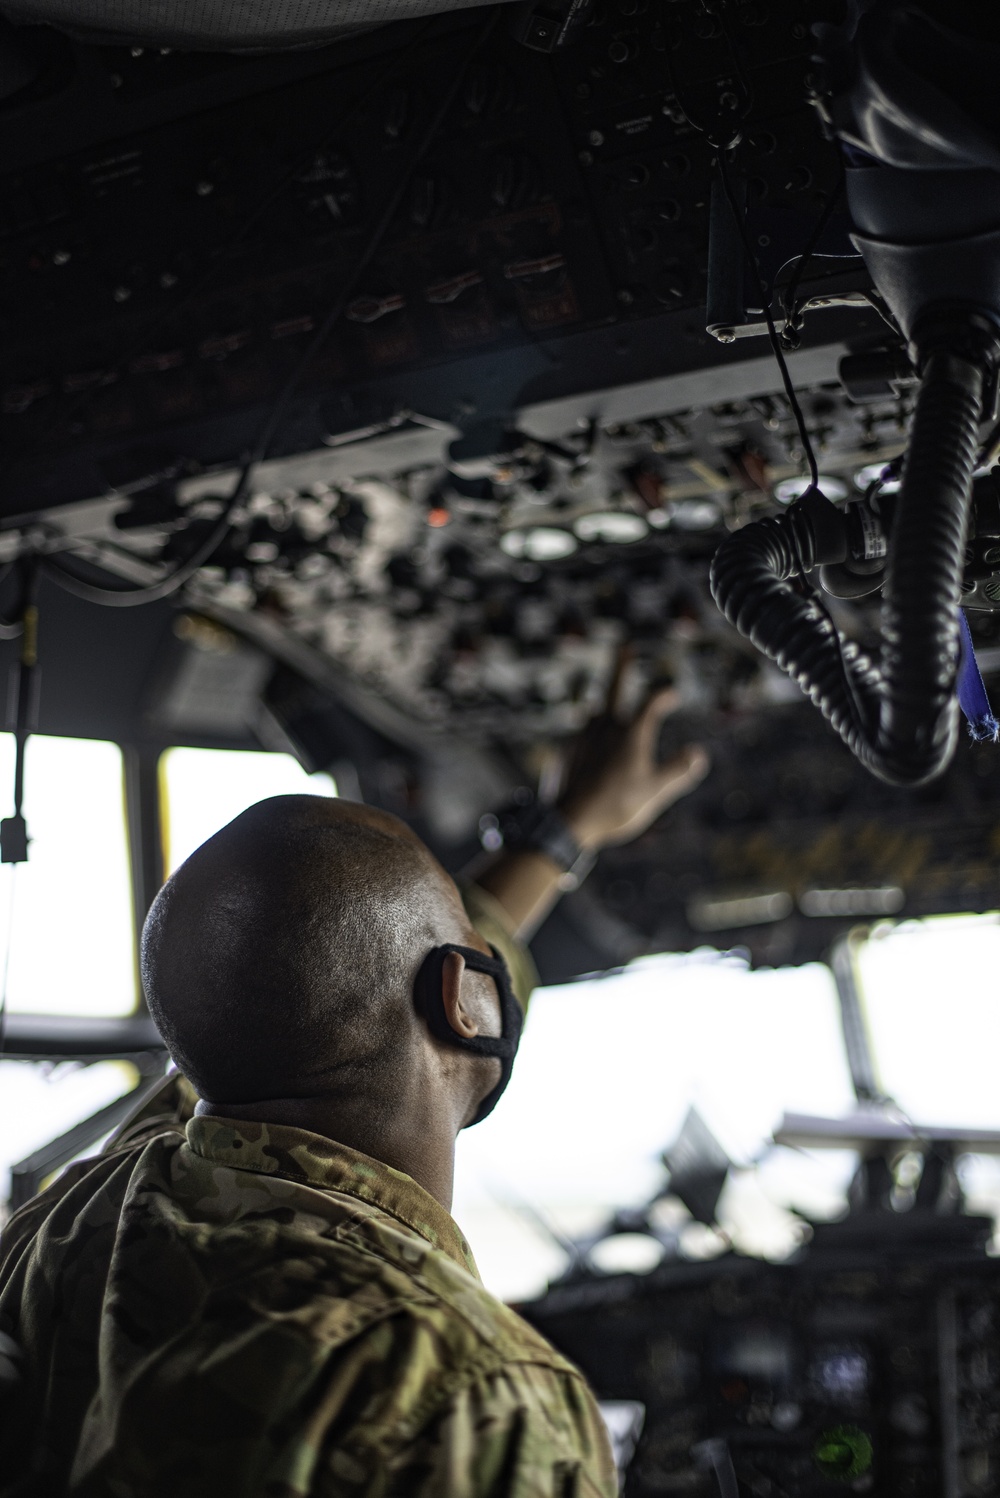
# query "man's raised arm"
(614, 790)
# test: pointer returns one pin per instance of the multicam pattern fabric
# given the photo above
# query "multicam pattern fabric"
(245, 1309)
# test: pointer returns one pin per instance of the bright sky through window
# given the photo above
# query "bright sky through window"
(203, 789)
(38, 1103)
(606, 1072)
(72, 944)
(932, 992)
(609, 1066)
(73, 949)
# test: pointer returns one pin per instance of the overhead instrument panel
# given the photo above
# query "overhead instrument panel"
(442, 354)
(177, 227)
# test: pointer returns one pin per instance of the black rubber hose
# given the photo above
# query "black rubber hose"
(901, 717)
(923, 584)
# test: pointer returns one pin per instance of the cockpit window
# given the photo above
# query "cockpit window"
(66, 927)
(607, 1071)
(203, 789)
(930, 991)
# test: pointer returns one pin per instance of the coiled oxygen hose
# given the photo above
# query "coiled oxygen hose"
(899, 716)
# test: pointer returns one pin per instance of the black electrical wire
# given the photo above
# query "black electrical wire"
(708, 131)
(8, 944)
(772, 332)
(860, 704)
(27, 667)
(788, 295)
(123, 598)
(765, 300)
(13, 831)
(164, 587)
(900, 717)
(861, 708)
(908, 732)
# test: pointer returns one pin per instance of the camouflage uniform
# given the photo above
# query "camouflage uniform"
(231, 1309)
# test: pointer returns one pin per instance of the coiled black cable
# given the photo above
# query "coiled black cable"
(920, 629)
(900, 718)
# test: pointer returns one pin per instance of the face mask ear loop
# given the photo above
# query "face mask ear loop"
(428, 996)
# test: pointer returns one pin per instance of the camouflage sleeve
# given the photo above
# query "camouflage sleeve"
(490, 920)
(526, 1432)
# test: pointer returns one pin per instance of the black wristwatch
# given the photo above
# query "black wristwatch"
(543, 829)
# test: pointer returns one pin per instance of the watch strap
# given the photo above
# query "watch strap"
(544, 829)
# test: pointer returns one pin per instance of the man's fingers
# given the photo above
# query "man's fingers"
(647, 727)
(612, 702)
(687, 769)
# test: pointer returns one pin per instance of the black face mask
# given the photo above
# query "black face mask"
(427, 990)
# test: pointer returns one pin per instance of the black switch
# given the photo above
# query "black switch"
(541, 33)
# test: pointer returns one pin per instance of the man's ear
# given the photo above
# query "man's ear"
(458, 1013)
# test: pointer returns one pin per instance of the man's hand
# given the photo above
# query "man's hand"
(615, 787)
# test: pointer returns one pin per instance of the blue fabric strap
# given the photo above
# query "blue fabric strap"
(972, 698)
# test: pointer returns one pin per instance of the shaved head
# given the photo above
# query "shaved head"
(278, 961)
